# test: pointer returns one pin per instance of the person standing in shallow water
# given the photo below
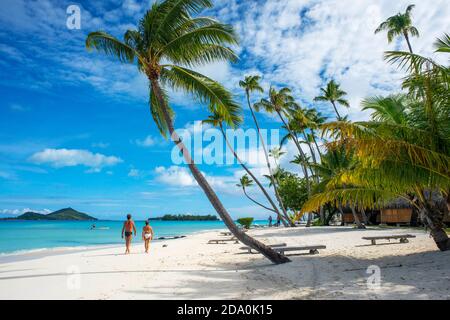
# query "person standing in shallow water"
(270, 221)
(127, 230)
(147, 235)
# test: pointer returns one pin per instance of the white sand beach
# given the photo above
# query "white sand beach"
(189, 268)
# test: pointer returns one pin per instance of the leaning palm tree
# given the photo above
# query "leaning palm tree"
(315, 120)
(300, 120)
(400, 25)
(251, 84)
(335, 95)
(244, 183)
(216, 119)
(167, 44)
(281, 102)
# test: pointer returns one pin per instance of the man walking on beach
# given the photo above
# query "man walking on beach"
(270, 221)
(128, 229)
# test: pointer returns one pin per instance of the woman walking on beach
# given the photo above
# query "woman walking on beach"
(147, 235)
(128, 229)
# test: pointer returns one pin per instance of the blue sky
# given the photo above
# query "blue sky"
(75, 128)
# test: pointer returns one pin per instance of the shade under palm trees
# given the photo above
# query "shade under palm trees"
(400, 25)
(167, 44)
(335, 95)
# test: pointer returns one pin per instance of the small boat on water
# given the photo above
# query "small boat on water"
(94, 227)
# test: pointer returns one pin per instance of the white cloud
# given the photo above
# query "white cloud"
(16, 212)
(59, 158)
(308, 42)
(181, 177)
(101, 145)
(149, 141)
(175, 176)
(134, 173)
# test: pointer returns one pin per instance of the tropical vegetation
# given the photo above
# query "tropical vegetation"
(401, 152)
(245, 222)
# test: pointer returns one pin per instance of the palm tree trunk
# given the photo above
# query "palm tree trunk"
(335, 109)
(302, 154)
(321, 210)
(355, 217)
(300, 150)
(266, 155)
(309, 221)
(434, 220)
(405, 33)
(258, 203)
(322, 216)
(266, 194)
(315, 142)
(448, 201)
(365, 218)
(268, 252)
(313, 155)
(341, 211)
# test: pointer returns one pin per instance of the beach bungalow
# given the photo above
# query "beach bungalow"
(398, 212)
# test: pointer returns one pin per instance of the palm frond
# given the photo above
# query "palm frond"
(443, 45)
(358, 196)
(157, 112)
(110, 45)
(205, 90)
(175, 13)
(410, 61)
(201, 45)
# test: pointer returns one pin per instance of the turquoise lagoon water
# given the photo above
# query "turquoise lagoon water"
(31, 235)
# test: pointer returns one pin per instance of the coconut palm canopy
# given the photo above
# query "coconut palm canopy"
(400, 25)
(167, 44)
(334, 95)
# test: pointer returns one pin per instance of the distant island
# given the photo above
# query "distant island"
(63, 214)
(186, 217)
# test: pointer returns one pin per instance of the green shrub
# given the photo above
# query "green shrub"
(246, 222)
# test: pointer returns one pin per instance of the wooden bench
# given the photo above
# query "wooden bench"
(311, 249)
(249, 249)
(403, 238)
(227, 233)
(223, 241)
